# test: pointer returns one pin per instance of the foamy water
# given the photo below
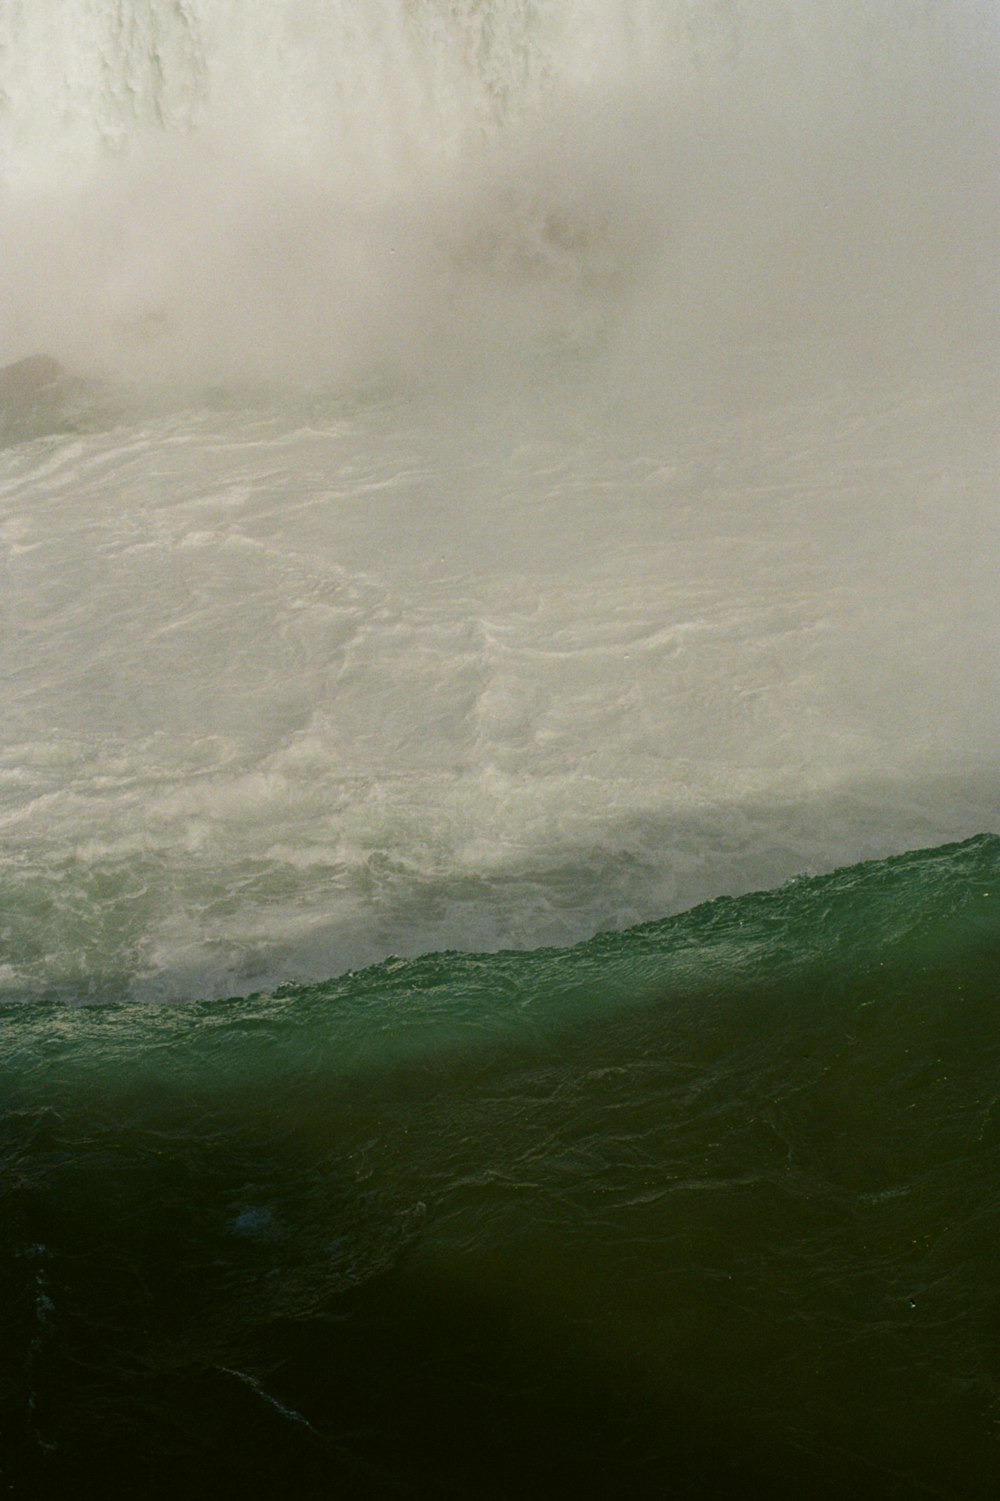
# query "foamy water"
(532, 474)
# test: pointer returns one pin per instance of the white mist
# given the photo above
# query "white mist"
(543, 473)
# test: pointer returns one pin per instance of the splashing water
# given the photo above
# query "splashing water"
(516, 475)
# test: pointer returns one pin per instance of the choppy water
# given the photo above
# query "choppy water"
(288, 694)
(518, 472)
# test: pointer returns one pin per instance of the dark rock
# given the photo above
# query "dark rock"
(27, 379)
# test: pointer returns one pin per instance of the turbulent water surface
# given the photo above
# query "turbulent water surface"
(474, 476)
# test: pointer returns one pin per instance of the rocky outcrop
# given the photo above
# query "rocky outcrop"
(26, 380)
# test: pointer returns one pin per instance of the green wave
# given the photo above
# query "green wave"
(705, 1208)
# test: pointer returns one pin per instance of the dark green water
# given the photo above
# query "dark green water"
(710, 1208)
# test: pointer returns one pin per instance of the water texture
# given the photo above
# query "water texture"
(704, 1208)
(475, 475)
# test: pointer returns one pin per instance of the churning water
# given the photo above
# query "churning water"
(514, 471)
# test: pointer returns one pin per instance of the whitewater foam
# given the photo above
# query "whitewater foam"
(536, 475)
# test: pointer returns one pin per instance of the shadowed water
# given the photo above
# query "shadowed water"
(706, 1208)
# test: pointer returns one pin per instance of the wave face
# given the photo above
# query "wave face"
(704, 1208)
